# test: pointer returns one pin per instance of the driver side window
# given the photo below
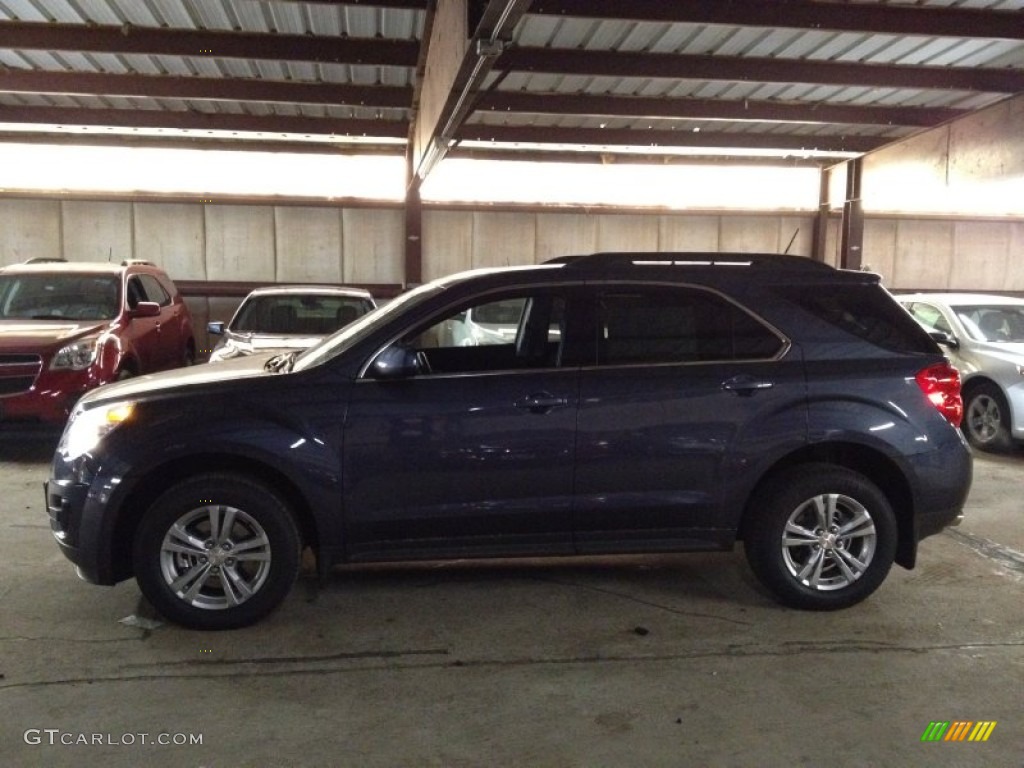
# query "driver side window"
(510, 332)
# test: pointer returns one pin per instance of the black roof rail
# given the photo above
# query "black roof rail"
(689, 259)
(137, 263)
(45, 260)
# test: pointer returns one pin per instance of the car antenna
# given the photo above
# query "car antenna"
(792, 240)
(110, 252)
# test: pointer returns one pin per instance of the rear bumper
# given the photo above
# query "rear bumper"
(943, 480)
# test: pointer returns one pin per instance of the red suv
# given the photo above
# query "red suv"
(66, 328)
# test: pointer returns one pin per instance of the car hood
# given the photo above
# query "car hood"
(259, 342)
(193, 376)
(21, 335)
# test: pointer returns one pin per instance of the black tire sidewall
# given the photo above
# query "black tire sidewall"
(765, 526)
(249, 495)
(1002, 441)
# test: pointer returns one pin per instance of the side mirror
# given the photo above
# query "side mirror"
(395, 362)
(216, 328)
(944, 339)
(146, 309)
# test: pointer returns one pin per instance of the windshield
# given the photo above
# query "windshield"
(363, 327)
(993, 323)
(297, 314)
(59, 297)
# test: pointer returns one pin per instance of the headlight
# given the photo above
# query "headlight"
(88, 427)
(76, 356)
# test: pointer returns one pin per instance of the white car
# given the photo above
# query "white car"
(287, 318)
(984, 338)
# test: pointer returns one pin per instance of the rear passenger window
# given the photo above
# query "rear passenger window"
(650, 326)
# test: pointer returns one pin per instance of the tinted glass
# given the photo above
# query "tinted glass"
(298, 314)
(679, 326)
(79, 297)
(994, 323)
(864, 311)
(154, 291)
(523, 331)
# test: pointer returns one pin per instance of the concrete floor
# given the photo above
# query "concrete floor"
(663, 661)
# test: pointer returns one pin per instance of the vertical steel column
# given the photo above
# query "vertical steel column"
(819, 238)
(851, 250)
(413, 234)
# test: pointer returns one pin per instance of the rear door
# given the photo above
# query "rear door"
(688, 388)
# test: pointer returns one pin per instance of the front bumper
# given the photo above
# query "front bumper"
(82, 510)
(50, 398)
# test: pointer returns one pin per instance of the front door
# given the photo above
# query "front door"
(473, 454)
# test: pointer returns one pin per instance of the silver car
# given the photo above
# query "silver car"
(286, 318)
(984, 337)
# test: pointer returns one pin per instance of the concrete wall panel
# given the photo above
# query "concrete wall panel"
(29, 229)
(880, 249)
(565, 234)
(172, 236)
(1015, 262)
(447, 243)
(980, 255)
(924, 254)
(308, 244)
(240, 243)
(627, 232)
(751, 234)
(373, 245)
(688, 233)
(97, 231)
(504, 239)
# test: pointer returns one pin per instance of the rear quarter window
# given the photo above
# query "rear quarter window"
(864, 311)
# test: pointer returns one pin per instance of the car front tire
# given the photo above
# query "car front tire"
(217, 551)
(987, 419)
(820, 537)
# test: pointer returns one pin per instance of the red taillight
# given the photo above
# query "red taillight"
(941, 385)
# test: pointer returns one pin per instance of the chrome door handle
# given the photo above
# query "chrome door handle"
(744, 385)
(541, 402)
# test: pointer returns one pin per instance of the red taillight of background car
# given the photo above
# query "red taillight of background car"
(941, 385)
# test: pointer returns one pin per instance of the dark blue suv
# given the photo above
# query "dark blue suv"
(612, 403)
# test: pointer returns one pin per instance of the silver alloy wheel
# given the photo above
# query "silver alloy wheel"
(984, 418)
(215, 557)
(829, 542)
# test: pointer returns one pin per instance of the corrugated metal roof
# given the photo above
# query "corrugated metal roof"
(576, 94)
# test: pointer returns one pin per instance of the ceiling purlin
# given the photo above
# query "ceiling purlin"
(710, 109)
(201, 121)
(662, 138)
(564, 61)
(207, 44)
(801, 14)
(203, 88)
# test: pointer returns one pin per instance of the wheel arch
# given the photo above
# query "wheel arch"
(158, 479)
(870, 462)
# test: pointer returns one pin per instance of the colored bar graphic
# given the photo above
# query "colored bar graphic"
(935, 731)
(958, 730)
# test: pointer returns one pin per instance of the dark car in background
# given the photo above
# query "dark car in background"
(68, 327)
(644, 403)
(283, 317)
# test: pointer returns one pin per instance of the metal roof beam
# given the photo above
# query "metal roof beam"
(660, 138)
(709, 109)
(126, 39)
(814, 15)
(203, 88)
(201, 121)
(467, 36)
(565, 61)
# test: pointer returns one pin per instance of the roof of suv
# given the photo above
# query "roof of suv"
(60, 267)
(332, 290)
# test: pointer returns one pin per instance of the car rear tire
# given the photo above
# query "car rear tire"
(987, 419)
(820, 537)
(217, 551)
